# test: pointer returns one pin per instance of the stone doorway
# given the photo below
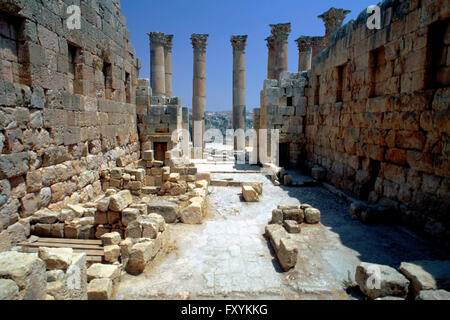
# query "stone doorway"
(284, 155)
(160, 149)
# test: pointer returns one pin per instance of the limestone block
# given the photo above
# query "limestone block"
(287, 254)
(258, 186)
(103, 271)
(5, 241)
(120, 201)
(8, 290)
(427, 274)
(312, 216)
(377, 281)
(277, 216)
(203, 176)
(141, 253)
(112, 253)
(27, 271)
(203, 184)
(168, 210)
(249, 194)
(142, 207)
(129, 215)
(148, 155)
(100, 218)
(56, 258)
(174, 177)
(291, 226)
(159, 220)
(133, 230)
(150, 228)
(433, 295)
(113, 217)
(112, 238)
(103, 204)
(192, 214)
(100, 289)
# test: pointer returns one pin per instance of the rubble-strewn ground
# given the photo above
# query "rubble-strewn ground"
(228, 257)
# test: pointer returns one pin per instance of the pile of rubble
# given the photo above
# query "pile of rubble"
(418, 280)
(284, 226)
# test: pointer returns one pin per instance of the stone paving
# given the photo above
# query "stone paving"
(228, 257)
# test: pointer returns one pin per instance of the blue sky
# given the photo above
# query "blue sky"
(221, 19)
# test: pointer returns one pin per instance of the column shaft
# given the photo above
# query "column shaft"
(157, 63)
(168, 66)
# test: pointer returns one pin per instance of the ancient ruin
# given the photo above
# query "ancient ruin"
(106, 194)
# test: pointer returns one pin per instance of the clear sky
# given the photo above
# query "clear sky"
(221, 19)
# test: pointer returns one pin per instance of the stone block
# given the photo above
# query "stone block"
(377, 281)
(133, 230)
(112, 238)
(103, 271)
(249, 194)
(120, 201)
(287, 254)
(258, 186)
(112, 253)
(129, 215)
(100, 289)
(141, 253)
(192, 214)
(291, 226)
(27, 271)
(433, 295)
(168, 210)
(8, 290)
(312, 216)
(56, 258)
(277, 216)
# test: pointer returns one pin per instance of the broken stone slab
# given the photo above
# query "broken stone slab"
(150, 190)
(427, 274)
(377, 281)
(249, 194)
(287, 254)
(27, 271)
(112, 238)
(192, 214)
(56, 258)
(168, 210)
(8, 290)
(100, 289)
(433, 295)
(291, 226)
(134, 230)
(46, 216)
(312, 216)
(121, 200)
(159, 220)
(103, 271)
(258, 186)
(103, 204)
(150, 228)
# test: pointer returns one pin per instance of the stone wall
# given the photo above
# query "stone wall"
(67, 106)
(378, 116)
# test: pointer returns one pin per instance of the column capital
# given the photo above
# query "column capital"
(239, 42)
(270, 42)
(333, 19)
(318, 41)
(157, 37)
(304, 43)
(168, 43)
(281, 31)
(199, 41)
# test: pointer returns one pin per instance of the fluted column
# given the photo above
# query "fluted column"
(168, 64)
(281, 33)
(333, 20)
(271, 57)
(238, 43)
(304, 54)
(157, 63)
(199, 42)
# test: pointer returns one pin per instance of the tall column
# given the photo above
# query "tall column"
(157, 64)
(239, 43)
(168, 64)
(281, 33)
(333, 20)
(271, 57)
(199, 42)
(304, 54)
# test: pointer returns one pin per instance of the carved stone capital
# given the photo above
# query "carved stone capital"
(168, 43)
(157, 37)
(304, 43)
(199, 41)
(270, 42)
(239, 42)
(333, 19)
(281, 31)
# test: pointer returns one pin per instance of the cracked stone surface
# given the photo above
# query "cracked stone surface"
(228, 257)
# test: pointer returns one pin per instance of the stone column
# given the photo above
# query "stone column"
(168, 64)
(157, 64)
(304, 54)
(239, 43)
(199, 42)
(317, 45)
(271, 57)
(333, 20)
(281, 33)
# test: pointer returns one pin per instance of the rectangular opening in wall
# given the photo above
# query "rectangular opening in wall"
(160, 149)
(13, 68)
(377, 65)
(73, 53)
(289, 102)
(340, 82)
(317, 91)
(127, 87)
(374, 170)
(284, 155)
(107, 77)
(437, 72)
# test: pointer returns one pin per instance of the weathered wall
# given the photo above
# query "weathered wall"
(378, 112)
(67, 104)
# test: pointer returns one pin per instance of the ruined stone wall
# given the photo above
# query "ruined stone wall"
(67, 105)
(378, 112)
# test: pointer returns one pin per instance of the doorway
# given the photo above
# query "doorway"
(284, 155)
(160, 149)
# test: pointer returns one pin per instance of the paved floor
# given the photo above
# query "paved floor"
(228, 257)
